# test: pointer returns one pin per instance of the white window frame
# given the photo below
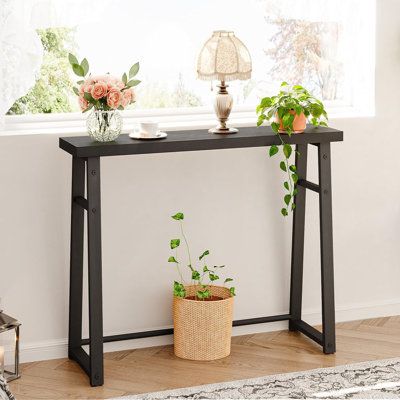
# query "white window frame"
(168, 118)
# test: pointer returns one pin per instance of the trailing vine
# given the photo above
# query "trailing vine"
(282, 110)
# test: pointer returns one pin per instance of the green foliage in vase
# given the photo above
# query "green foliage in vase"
(200, 274)
(51, 93)
(282, 108)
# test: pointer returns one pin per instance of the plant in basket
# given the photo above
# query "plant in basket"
(289, 111)
(203, 310)
(104, 95)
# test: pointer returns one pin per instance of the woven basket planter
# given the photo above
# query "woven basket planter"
(203, 329)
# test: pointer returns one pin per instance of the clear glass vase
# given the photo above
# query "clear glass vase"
(104, 126)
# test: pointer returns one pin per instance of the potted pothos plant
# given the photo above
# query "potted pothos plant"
(202, 309)
(288, 112)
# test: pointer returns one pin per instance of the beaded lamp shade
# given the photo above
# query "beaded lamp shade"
(224, 57)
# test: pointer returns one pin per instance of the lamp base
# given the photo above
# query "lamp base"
(223, 131)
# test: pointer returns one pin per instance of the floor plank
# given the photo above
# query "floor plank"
(156, 368)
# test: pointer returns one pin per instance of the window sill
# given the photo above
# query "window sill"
(74, 124)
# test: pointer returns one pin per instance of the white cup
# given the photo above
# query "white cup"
(148, 129)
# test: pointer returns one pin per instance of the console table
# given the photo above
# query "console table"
(86, 156)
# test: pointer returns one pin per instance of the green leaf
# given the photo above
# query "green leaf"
(232, 291)
(178, 216)
(124, 78)
(90, 106)
(85, 66)
(275, 127)
(206, 253)
(133, 82)
(196, 275)
(298, 109)
(293, 168)
(287, 121)
(172, 259)
(293, 206)
(213, 277)
(80, 82)
(284, 84)
(281, 112)
(286, 185)
(295, 178)
(287, 199)
(78, 70)
(295, 191)
(284, 212)
(287, 150)
(266, 102)
(205, 294)
(282, 166)
(72, 59)
(323, 123)
(273, 150)
(76, 91)
(179, 289)
(228, 280)
(134, 70)
(89, 97)
(175, 243)
(205, 268)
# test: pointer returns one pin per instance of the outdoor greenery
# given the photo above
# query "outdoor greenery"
(53, 88)
(201, 275)
(282, 109)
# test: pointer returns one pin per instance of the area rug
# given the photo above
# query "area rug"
(368, 380)
(5, 393)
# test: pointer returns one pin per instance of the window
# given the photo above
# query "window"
(326, 45)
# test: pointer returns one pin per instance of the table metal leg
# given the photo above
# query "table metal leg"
(296, 280)
(327, 278)
(76, 257)
(95, 272)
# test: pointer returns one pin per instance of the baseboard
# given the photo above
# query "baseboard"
(47, 350)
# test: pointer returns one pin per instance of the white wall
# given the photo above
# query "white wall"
(231, 199)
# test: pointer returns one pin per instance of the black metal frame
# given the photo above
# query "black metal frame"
(92, 364)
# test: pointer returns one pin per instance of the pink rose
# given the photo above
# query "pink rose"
(114, 98)
(99, 90)
(86, 87)
(120, 85)
(126, 98)
(83, 103)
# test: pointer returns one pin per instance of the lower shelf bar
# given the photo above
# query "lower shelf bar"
(261, 320)
(170, 331)
(309, 331)
(81, 357)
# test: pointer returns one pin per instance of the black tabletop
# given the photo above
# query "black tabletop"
(192, 140)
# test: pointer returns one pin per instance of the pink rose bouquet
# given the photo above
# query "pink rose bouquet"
(103, 92)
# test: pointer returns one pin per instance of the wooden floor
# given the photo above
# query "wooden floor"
(156, 368)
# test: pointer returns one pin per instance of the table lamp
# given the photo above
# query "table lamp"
(225, 58)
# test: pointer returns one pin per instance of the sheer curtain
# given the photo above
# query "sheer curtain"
(21, 51)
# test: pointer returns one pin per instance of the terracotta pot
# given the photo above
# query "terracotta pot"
(299, 123)
(203, 329)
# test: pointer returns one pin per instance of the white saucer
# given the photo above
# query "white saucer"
(139, 136)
